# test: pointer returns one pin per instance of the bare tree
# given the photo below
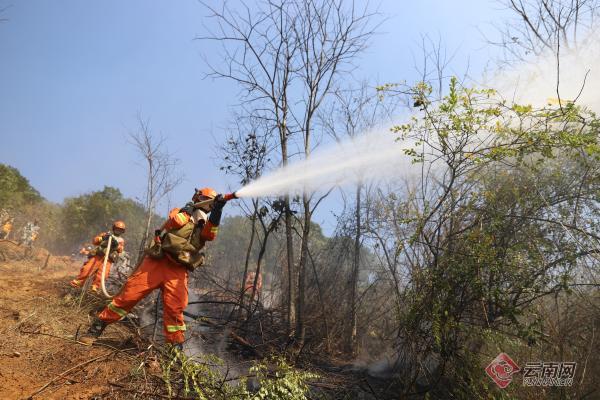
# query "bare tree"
(545, 25)
(160, 165)
(286, 56)
(260, 61)
(245, 155)
(331, 34)
(355, 112)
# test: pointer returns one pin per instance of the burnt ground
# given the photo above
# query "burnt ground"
(40, 357)
(39, 316)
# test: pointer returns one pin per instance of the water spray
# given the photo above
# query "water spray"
(373, 156)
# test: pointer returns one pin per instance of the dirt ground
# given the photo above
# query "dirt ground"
(39, 315)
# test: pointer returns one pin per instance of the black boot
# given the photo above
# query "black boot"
(178, 346)
(94, 332)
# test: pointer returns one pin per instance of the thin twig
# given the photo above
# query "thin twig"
(69, 370)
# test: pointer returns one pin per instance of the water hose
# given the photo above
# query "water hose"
(226, 197)
(102, 282)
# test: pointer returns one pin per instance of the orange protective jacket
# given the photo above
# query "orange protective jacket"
(7, 227)
(94, 264)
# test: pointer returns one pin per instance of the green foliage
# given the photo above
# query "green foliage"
(506, 218)
(281, 382)
(26, 204)
(64, 227)
(202, 377)
(15, 190)
(87, 215)
(471, 126)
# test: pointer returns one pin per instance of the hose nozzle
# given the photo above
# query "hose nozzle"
(226, 197)
(230, 196)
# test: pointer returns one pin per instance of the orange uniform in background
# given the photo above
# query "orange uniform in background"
(6, 229)
(249, 284)
(166, 274)
(94, 264)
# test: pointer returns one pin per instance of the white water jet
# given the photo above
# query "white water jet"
(535, 82)
(373, 155)
(377, 154)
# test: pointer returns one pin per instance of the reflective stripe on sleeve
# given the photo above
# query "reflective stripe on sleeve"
(181, 219)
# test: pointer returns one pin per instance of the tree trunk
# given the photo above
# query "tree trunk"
(149, 207)
(259, 261)
(146, 233)
(248, 254)
(300, 302)
(291, 295)
(300, 306)
(352, 317)
(289, 240)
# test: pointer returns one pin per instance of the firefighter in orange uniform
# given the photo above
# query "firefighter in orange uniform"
(180, 240)
(6, 228)
(249, 285)
(96, 256)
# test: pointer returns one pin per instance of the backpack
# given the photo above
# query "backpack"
(183, 244)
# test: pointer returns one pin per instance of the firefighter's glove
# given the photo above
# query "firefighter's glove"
(113, 256)
(157, 234)
(188, 208)
(114, 243)
(219, 203)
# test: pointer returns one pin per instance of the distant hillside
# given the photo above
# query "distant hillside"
(15, 189)
(64, 227)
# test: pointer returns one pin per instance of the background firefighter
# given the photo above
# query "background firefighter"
(29, 235)
(7, 227)
(249, 284)
(96, 256)
(176, 251)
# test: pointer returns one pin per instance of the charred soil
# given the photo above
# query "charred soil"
(39, 316)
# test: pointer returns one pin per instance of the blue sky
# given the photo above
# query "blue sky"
(74, 74)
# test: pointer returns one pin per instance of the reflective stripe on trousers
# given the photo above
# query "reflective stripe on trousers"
(122, 313)
(164, 274)
(175, 328)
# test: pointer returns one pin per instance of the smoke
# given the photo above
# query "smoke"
(576, 74)
(376, 154)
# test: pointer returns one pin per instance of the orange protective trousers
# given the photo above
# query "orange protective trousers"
(171, 278)
(93, 265)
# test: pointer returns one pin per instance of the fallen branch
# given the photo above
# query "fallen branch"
(69, 370)
(78, 342)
